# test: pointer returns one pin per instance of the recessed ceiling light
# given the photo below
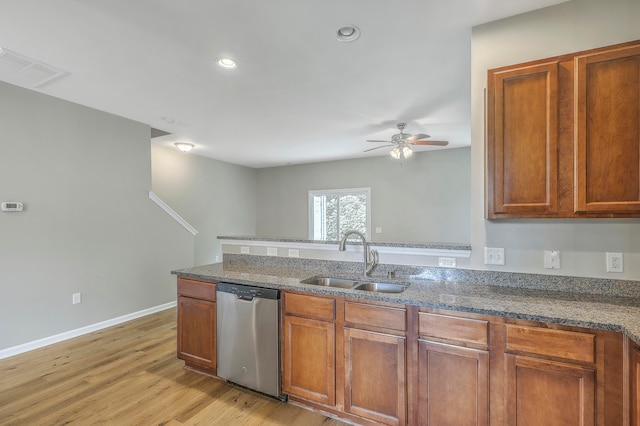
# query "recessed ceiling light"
(226, 63)
(348, 33)
(184, 146)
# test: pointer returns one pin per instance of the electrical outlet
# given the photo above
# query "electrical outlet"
(493, 256)
(552, 259)
(77, 298)
(244, 250)
(615, 262)
(447, 262)
(294, 253)
(272, 251)
(378, 229)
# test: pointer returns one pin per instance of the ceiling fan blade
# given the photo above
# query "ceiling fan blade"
(419, 136)
(378, 141)
(377, 147)
(427, 142)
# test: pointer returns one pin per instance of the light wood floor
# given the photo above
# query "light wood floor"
(129, 375)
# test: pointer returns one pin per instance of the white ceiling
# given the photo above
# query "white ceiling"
(297, 96)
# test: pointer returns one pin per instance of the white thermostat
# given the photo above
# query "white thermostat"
(11, 206)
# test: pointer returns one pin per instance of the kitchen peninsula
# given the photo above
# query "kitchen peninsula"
(501, 344)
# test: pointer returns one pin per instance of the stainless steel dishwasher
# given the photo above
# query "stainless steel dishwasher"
(247, 337)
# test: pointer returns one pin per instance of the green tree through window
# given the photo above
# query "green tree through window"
(332, 212)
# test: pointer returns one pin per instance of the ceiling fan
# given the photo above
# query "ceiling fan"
(402, 142)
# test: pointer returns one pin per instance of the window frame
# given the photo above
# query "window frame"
(339, 192)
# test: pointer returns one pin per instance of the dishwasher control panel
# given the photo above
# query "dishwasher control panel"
(247, 292)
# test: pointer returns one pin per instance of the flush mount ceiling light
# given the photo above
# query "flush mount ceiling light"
(348, 33)
(184, 146)
(226, 63)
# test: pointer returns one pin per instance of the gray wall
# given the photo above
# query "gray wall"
(215, 197)
(425, 198)
(569, 27)
(88, 224)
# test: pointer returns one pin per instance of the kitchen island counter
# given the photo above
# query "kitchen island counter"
(603, 311)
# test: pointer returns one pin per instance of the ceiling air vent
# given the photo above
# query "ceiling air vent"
(26, 72)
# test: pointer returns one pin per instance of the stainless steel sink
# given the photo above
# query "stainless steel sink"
(382, 287)
(331, 282)
(355, 284)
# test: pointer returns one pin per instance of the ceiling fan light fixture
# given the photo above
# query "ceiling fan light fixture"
(184, 146)
(395, 153)
(348, 33)
(407, 152)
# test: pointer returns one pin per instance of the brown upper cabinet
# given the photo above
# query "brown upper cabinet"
(563, 136)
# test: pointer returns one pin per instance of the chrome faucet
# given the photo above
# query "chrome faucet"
(370, 256)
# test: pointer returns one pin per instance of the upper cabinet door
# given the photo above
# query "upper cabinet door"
(607, 131)
(522, 141)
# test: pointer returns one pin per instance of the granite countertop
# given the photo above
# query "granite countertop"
(599, 311)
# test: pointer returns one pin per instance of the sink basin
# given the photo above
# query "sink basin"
(331, 282)
(356, 285)
(382, 287)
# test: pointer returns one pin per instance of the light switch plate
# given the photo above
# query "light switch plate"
(552, 259)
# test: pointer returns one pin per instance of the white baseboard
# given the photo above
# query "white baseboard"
(29, 346)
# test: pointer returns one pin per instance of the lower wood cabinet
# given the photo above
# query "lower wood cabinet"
(542, 392)
(309, 359)
(634, 373)
(375, 375)
(550, 376)
(453, 385)
(346, 357)
(381, 363)
(197, 333)
(453, 370)
(308, 347)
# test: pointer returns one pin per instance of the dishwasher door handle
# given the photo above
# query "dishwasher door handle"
(244, 298)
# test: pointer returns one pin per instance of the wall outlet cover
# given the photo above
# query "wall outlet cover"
(615, 262)
(244, 250)
(272, 251)
(294, 253)
(493, 256)
(447, 262)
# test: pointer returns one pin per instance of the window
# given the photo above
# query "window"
(334, 211)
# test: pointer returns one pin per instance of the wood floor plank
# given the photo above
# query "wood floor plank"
(129, 375)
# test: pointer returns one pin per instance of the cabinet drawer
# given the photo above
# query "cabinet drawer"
(570, 345)
(454, 328)
(196, 289)
(315, 307)
(376, 316)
